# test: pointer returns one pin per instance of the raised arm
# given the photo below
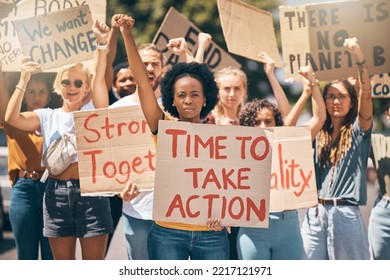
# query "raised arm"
(365, 110)
(280, 95)
(112, 46)
(4, 98)
(28, 121)
(152, 111)
(204, 40)
(178, 46)
(99, 87)
(310, 84)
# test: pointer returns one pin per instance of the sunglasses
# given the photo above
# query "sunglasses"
(77, 83)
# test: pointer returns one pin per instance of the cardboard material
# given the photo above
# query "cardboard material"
(58, 38)
(114, 146)
(206, 171)
(293, 181)
(10, 48)
(248, 30)
(315, 34)
(192, 159)
(380, 86)
(176, 25)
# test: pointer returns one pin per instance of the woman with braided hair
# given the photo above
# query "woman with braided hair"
(335, 229)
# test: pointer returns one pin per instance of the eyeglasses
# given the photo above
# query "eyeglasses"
(340, 97)
(77, 83)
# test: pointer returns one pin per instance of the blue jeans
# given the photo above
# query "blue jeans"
(379, 230)
(174, 244)
(335, 233)
(136, 234)
(26, 217)
(282, 240)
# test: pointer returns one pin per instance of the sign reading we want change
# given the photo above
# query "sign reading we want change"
(47, 36)
(176, 25)
(114, 146)
(58, 38)
(315, 34)
(227, 172)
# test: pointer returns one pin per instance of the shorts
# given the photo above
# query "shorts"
(67, 213)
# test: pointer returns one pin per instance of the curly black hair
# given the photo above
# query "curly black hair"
(248, 115)
(198, 71)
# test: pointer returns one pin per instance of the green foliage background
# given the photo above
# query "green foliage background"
(149, 15)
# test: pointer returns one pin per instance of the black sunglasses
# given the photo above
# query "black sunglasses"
(77, 83)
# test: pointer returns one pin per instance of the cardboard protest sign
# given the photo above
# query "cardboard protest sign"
(212, 172)
(380, 86)
(114, 146)
(315, 34)
(10, 48)
(248, 30)
(58, 38)
(176, 25)
(293, 180)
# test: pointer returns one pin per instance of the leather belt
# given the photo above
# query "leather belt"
(33, 175)
(335, 202)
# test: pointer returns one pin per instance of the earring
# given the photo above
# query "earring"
(204, 105)
(173, 104)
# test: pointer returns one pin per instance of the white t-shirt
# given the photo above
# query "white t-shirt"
(55, 122)
(140, 207)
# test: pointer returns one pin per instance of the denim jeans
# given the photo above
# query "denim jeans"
(379, 230)
(136, 234)
(335, 233)
(26, 217)
(174, 244)
(282, 240)
(67, 213)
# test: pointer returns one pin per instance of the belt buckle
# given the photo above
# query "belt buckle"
(34, 175)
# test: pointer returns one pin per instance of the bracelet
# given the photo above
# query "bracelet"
(102, 47)
(19, 88)
(315, 83)
(361, 63)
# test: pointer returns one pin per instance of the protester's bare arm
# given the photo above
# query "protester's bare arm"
(292, 118)
(28, 121)
(99, 87)
(204, 40)
(365, 110)
(317, 101)
(178, 46)
(152, 111)
(4, 97)
(280, 95)
(112, 46)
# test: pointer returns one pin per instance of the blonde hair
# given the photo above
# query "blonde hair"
(78, 66)
(235, 71)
